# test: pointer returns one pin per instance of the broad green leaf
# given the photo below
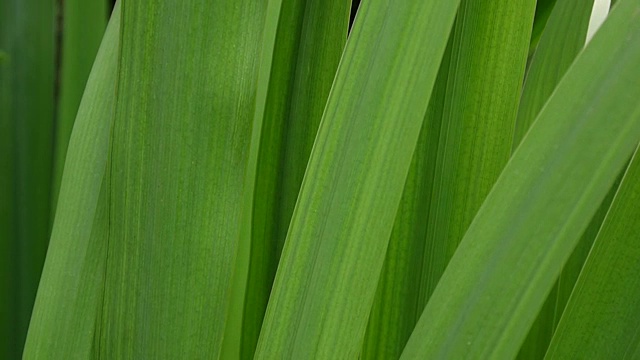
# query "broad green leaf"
(26, 122)
(563, 38)
(602, 316)
(542, 202)
(178, 156)
(83, 24)
(70, 292)
(340, 228)
(309, 41)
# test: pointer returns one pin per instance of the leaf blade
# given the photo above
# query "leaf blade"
(309, 41)
(356, 142)
(486, 315)
(73, 275)
(601, 316)
(177, 164)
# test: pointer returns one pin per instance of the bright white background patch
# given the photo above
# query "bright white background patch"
(598, 15)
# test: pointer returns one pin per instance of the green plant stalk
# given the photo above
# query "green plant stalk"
(396, 309)
(498, 279)
(72, 284)
(334, 252)
(309, 41)
(178, 158)
(83, 23)
(601, 320)
(489, 52)
(27, 43)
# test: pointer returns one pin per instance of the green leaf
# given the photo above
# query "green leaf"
(601, 319)
(8, 320)
(232, 342)
(563, 38)
(309, 41)
(26, 123)
(543, 11)
(539, 337)
(489, 52)
(341, 225)
(83, 24)
(544, 199)
(70, 292)
(465, 144)
(178, 157)
(396, 307)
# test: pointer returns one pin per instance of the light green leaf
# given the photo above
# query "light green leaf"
(178, 157)
(544, 199)
(70, 292)
(340, 228)
(310, 37)
(563, 38)
(602, 316)
(83, 24)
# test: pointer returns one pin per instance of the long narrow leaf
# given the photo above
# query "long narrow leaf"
(602, 319)
(563, 38)
(477, 122)
(83, 24)
(310, 37)
(396, 307)
(8, 322)
(27, 46)
(544, 199)
(467, 135)
(71, 288)
(344, 216)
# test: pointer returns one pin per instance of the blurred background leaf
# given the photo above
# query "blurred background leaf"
(26, 134)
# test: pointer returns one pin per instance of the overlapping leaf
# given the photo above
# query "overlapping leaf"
(70, 292)
(308, 45)
(465, 143)
(83, 24)
(543, 201)
(602, 316)
(338, 235)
